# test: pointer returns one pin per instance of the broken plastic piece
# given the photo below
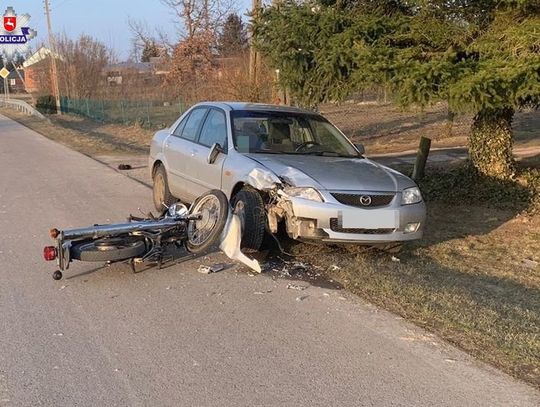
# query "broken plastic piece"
(230, 243)
(210, 269)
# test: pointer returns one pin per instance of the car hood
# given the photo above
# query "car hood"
(333, 173)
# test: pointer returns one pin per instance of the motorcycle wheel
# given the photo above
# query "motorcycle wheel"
(108, 249)
(205, 232)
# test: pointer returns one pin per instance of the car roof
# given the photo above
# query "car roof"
(256, 106)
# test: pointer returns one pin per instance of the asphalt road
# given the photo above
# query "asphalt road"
(175, 337)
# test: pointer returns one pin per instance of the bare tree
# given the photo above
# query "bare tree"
(81, 65)
(143, 38)
(199, 16)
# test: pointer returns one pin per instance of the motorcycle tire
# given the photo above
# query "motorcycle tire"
(113, 249)
(204, 234)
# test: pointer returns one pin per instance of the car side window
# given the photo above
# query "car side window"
(193, 123)
(214, 129)
(178, 131)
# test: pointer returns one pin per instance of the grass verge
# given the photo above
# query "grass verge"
(475, 277)
(87, 136)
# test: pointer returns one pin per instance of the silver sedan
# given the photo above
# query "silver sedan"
(284, 167)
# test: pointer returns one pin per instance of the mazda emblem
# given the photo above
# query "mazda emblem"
(365, 200)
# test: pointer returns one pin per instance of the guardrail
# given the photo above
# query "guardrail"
(21, 106)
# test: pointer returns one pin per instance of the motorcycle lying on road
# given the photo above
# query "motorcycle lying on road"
(146, 239)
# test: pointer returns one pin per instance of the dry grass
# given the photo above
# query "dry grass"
(474, 280)
(386, 128)
(87, 136)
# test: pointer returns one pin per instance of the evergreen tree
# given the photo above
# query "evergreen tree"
(483, 57)
(233, 38)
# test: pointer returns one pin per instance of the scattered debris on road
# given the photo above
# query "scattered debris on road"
(124, 167)
(203, 269)
(296, 287)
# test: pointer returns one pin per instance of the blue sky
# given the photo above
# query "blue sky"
(105, 20)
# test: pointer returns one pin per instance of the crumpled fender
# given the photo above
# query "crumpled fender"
(262, 179)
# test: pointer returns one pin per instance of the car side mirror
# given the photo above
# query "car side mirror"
(361, 149)
(214, 152)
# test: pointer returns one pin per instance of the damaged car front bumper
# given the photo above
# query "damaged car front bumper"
(333, 221)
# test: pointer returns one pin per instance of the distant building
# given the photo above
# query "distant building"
(37, 71)
(16, 81)
(136, 73)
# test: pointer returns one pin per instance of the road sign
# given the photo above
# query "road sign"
(4, 73)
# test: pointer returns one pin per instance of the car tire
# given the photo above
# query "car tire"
(160, 190)
(249, 206)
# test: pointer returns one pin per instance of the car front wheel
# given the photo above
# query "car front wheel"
(249, 207)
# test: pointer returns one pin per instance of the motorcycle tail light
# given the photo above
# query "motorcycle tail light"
(49, 253)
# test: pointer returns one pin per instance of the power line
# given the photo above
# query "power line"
(60, 5)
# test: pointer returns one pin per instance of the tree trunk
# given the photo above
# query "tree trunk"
(490, 143)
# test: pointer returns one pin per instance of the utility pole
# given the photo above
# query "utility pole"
(54, 70)
(254, 57)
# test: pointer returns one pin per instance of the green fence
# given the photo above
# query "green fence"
(146, 113)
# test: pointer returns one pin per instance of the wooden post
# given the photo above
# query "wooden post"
(421, 158)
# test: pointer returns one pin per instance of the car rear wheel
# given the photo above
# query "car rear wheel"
(249, 207)
(160, 191)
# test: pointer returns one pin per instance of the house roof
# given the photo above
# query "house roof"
(38, 56)
(130, 66)
(13, 74)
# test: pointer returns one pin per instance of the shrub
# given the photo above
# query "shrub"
(46, 104)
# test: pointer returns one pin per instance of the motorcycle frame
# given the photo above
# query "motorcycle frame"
(144, 228)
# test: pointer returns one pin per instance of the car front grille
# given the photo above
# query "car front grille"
(359, 199)
(334, 226)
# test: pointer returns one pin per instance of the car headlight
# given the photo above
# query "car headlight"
(411, 196)
(304, 192)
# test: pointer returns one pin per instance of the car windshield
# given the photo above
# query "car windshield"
(275, 132)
